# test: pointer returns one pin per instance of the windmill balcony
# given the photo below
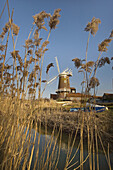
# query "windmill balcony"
(63, 90)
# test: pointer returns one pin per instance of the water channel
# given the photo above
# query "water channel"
(45, 142)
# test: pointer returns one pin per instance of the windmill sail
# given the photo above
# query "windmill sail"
(52, 79)
(57, 65)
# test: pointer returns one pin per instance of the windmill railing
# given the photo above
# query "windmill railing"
(63, 90)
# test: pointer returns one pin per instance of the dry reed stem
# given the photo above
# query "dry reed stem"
(68, 162)
(28, 145)
(109, 157)
(24, 137)
(47, 146)
(93, 153)
(15, 63)
(53, 157)
(37, 153)
(82, 162)
(31, 156)
(73, 156)
(53, 150)
(96, 147)
(81, 147)
(97, 63)
(104, 151)
(59, 149)
(39, 93)
(72, 165)
(68, 150)
(5, 56)
(10, 143)
(3, 9)
(86, 60)
(25, 58)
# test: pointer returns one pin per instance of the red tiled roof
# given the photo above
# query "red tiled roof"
(72, 88)
(77, 95)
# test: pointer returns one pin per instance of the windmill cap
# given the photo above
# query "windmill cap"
(67, 72)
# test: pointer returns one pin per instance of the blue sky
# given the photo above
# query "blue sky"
(69, 39)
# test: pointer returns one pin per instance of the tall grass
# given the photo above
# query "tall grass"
(20, 136)
(22, 117)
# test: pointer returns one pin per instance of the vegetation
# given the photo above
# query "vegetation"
(22, 116)
(89, 68)
(23, 76)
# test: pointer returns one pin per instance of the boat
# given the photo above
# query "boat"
(90, 107)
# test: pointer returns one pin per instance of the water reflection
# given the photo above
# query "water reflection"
(46, 142)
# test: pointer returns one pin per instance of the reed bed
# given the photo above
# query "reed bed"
(20, 144)
(23, 117)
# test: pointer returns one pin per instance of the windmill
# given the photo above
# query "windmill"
(63, 83)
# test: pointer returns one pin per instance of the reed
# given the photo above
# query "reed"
(22, 117)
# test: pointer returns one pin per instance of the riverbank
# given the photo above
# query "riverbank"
(21, 124)
(72, 121)
(52, 113)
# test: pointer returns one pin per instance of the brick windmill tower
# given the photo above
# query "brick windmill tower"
(63, 83)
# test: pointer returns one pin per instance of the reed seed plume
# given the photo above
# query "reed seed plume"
(94, 82)
(45, 43)
(37, 42)
(39, 19)
(5, 30)
(90, 63)
(77, 62)
(2, 47)
(37, 67)
(7, 26)
(44, 81)
(93, 26)
(48, 67)
(54, 20)
(104, 44)
(36, 34)
(30, 52)
(38, 53)
(15, 29)
(111, 35)
(84, 67)
(90, 68)
(2, 35)
(87, 65)
(28, 42)
(102, 61)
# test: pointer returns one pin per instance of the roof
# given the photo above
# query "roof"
(108, 94)
(77, 95)
(72, 88)
(97, 97)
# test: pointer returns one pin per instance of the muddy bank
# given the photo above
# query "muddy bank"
(72, 121)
